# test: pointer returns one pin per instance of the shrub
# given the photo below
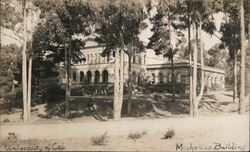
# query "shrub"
(136, 135)
(6, 120)
(100, 140)
(169, 134)
(12, 136)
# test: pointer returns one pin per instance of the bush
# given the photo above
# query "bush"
(169, 134)
(49, 90)
(6, 120)
(99, 140)
(136, 135)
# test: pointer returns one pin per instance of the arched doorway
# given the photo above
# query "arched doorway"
(153, 78)
(97, 77)
(81, 76)
(105, 76)
(160, 77)
(89, 77)
(74, 76)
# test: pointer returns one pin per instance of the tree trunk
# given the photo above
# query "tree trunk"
(190, 67)
(173, 78)
(24, 64)
(195, 69)
(29, 86)
(121, 86)
(67, 77)
(129, 83)
(202, 84)
(116, 114)
(235, 78)
(242, 63)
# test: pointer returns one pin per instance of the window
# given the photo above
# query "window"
(105, 76)
(89, 77)
(97, 77)
(81, 76)
(160, 77)
(74, 76)
(153, 78)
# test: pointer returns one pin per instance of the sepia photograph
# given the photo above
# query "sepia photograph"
(125, 75)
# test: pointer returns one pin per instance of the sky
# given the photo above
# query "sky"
(208, 40)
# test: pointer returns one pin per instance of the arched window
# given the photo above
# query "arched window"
(74, 76)
(81, 76)
(105, 76)
(89, 77)
(134, 77)
(139, 60)
(153, 78)
(160, 77)
(139, 79)
(97, 77)
(134, 60)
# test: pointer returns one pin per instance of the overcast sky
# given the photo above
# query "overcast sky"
(208, 40)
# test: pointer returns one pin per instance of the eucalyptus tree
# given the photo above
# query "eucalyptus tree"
(15, 15)
(233, 29)
(165, 24)
(63, 33)
(119, 24)
(197, 15)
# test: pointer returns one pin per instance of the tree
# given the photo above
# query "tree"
(9, 72)
(15, 15)
(160, 41)
(198, 15)
(66, 28)
(131, 50)
(119, 23)
(232, 34)
(243, 59)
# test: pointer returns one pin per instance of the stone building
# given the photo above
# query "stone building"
(147, 68)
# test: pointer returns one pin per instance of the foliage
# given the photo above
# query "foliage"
(63, 25)
(164, 24)
(136, 134)
(170, 133)
(119, 24)
(49, 90)
(100, 140)
(9, 71)
(230, 28)
(218, 57)
(6, 120)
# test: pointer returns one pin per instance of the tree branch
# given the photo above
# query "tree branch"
(12, 37)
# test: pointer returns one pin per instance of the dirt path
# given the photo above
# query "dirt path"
(203, 131)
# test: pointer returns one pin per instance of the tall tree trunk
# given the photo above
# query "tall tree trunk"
(116, 114)
(235, 77)
(173, 78)
(67, 77)
(29, 86)
(202, 83)
(121, 86)
(195, 68)
(172, 62)
(242, 63)
(24, 64)
(190, 66)
(129, 83)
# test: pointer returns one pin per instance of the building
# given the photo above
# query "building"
(147, 68)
